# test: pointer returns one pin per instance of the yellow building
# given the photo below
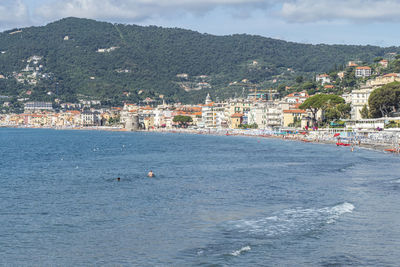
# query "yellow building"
(236, 120)
(289, 116)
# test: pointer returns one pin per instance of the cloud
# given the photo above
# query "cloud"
(301, 11)
(28, 12)
(137, 9)
(13, 12)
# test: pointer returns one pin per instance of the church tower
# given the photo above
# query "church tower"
(208, 99)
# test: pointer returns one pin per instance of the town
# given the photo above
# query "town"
(260, 109)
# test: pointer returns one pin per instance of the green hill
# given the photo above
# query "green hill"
(81, 57)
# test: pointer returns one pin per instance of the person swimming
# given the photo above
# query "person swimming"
(118, 179)
(150, 174)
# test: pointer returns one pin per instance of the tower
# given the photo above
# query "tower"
(208, 99)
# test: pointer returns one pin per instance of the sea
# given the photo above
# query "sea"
(214, 201)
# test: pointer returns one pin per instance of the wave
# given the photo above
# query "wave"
(290, 221)
(243, 249)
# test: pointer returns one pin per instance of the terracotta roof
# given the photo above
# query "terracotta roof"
(323, 75)
(197, 113)
(329, 86)
(298, 94)
(294, 111)
(363, 68)
(76, 112)
(391, 75)
(237, 115)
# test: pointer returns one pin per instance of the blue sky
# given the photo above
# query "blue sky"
(374, 22)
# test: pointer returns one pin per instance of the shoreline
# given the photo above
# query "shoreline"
(314, 137)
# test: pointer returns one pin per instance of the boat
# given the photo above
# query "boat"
(342, 144)
(392, 150)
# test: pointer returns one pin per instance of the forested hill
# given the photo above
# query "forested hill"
(81, 57)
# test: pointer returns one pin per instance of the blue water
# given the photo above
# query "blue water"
(215, 201)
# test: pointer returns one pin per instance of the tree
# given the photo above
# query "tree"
(299, 79)
(321, 102)
(365, 112)
(384, 100)
(309, 85)
(344, 110)
(182, 120)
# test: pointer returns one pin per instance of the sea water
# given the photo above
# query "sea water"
(215, 201)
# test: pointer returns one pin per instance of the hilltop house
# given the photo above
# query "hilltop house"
(363, 71)
(323, 78)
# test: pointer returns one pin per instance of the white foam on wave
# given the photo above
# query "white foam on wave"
(292, 221)
(238, 252)
(397, 181)
(338, 210)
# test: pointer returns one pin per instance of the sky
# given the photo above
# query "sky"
(360, 22)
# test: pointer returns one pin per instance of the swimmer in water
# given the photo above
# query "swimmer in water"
(150, 174)
(118, 179)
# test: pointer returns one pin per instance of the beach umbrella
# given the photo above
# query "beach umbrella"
(336, 134)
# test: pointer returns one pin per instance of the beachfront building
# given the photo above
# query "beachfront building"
(239, 105)
(293, 117)
(236, 120)
(213, 115)
(363, 71)
(163, 117)
(360, 97)
(267, 115)
(90, 118)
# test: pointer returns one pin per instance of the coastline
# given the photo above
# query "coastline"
(314, 137)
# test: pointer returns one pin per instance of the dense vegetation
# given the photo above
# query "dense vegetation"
(146, 60)
(384, 100)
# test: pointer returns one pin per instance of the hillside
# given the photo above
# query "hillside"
(116, 62)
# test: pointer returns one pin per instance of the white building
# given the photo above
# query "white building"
(359, 98)
(323, 78)
(90, 118)
(37, 106)
(267, 115)
(364, 71)
(213, 115)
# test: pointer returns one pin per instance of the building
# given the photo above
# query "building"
(364, 71)
(384, 63)
(329, 87)
(89, 118)
(360, 97)
(37, 106)
(296, 97)
(352, 64)
(267, 115)
(236, 120)
(323, 78)
(293, 116)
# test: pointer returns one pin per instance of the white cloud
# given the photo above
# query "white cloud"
(352, 10)
(27, 12)
(137, 9)
(13, 12)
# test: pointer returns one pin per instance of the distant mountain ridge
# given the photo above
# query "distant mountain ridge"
(117, 62)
